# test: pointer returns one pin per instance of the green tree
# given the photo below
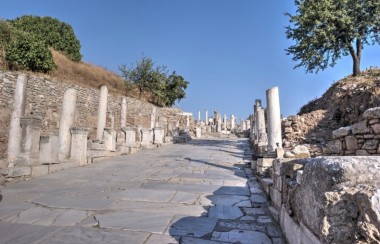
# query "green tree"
(326, 30)
(54, 33)
(144, 75)
(175, 87)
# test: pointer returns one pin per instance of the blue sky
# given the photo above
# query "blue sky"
(230, 51)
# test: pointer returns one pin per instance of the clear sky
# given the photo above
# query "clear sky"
(230, 51)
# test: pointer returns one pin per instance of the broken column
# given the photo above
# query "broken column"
(153, 118)
(29, 147)
(79, 144)
(66, 121)
(14, 138)
(102, 113)
(274, 119)
(206, 118)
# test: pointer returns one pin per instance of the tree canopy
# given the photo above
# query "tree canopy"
(155, 80)
(326, 30)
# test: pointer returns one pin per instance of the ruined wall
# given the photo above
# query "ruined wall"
(44, 98)
(360, 139)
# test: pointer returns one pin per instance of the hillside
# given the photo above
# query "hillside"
(341, 105)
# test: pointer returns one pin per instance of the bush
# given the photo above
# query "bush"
(54, 33)
(29, 53)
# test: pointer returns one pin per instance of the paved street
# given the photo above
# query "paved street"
(199, 192)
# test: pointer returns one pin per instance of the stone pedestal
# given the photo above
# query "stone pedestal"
(145, 137)
(158, 135)
(120, 137)
(14, 139)
(176, 132)
(29, 147)
(198, 132)
(49, 149)
(102, 113)
(274, 119)
(79, 144)
(66, 121)
(110, 139)
(130, 137)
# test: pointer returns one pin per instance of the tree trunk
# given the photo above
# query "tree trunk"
(356, 56)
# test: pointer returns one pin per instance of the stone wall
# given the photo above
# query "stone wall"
(329, 199)
(44, 99)
(360, 139)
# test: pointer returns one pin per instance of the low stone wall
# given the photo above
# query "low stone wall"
(330, 199)
(44, 99)
(360, 139)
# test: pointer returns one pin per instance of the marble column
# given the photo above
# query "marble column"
(123, 115)
(232, 122)
(102, 112)
(260, 124)
(199, 117)
(153, 118)
(187, 121)
(79, 144)
(274, 119)
(30, 143)
(66, 121)
(19, 98)
(206, 119)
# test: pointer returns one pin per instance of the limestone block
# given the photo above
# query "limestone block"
(29, 148)
(351, 143)
(341, 132)
(277, 182)
(299, 177)
(158, 135)
(362, 152)
(360, 128)
(78, 150)
(39, 170)
(109, 137)
(290, 228)
(371, 144)
(334, 147)
(265, 162)
(19, 171)
(146, 137)
(275, 196)
(307, 237)
(376, 128)
(130, 137)
(300, 151)
(198, 132)
(372, 113)
(332, 198)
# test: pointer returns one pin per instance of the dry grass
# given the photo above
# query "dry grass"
(84, 74)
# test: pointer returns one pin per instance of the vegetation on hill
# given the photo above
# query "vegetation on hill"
(47, 45)
(148, 78)
(25, 43)
(326, 30)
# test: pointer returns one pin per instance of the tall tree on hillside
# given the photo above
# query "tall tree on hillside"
(326, 30)
(144, 75)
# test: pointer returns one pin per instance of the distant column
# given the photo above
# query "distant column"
(225, 122)
(14, 138)
(199, 117)
(123, 115)
(65, 123)
(206, 119)
(102, 112)
(274, 119)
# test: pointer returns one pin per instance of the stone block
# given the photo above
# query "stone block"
(280, 152)
(300, 151)
(299, 177)
(61, 166)
(39, 170)
(334, 147)
(341, 132)
(253, 164)
(362, 152)
(275, 213)
(372, 113)
(277, 182)
(290, 228)
(265, 162)
(371, 145)
(276, 196)
(124, 149)
(19, 171)
(307, 237)
(266, 183)
(351, 143)
(263, 171)
(360, 128)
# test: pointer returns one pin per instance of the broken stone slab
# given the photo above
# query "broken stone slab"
(191, 226)
(225, 212)
(241, 236)
(372, 113)
(341, 132)
(192, 240)
(255, 198)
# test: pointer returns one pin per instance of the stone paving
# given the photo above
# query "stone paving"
(197, 193)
